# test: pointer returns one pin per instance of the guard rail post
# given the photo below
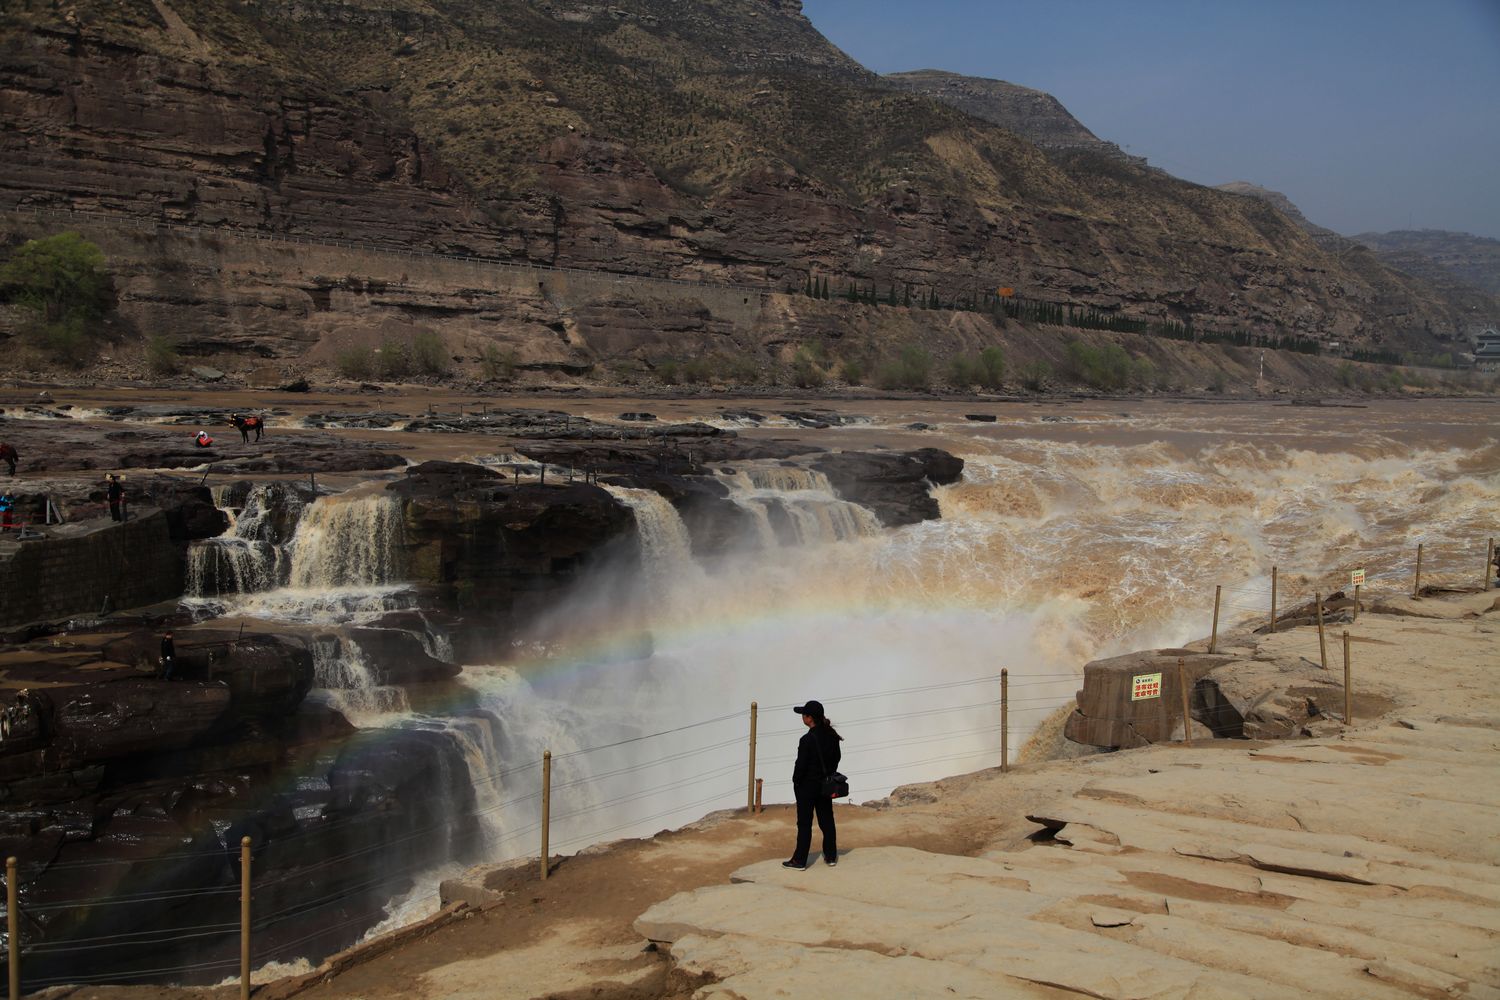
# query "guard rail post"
(1004, 720)
(546, 809)
(1416, 587)
(1322, 642)
(1213, 639)
(750, 792)
(1348, 696)
(1273, 599)
(244, 918)
(13, 929)
(1187, 720)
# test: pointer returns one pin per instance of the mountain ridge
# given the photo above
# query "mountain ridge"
(723, 141)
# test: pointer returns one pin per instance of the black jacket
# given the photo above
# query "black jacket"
(809, 766)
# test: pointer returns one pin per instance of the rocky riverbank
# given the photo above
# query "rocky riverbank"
(1341, 864)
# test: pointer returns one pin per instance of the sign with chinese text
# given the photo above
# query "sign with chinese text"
(1143, 686)
(1357, 577)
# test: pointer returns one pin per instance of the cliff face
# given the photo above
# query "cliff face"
(719, 141)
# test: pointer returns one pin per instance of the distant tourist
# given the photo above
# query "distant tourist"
(247, 424)
(114, 492)
(9, 456)
(817, 759)
(203, 440)
(7, 505)
(168, 656)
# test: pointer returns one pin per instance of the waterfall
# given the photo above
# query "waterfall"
(666, 549)
(244, 559)
(803, 500)
(347, 541)
(340, 667)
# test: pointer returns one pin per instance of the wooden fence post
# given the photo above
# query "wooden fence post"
(1348, 696)
(1273, 598)
(1213, 639)
(1187, 719)
(1489, 560)
(758, 806)
(1416, 587)
(750, 796)
(13, 928)
(244, 918)
(1004, 720)
(1355, 616)
(546, 810)
(1322, 642)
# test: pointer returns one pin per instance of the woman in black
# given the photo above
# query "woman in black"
(817, 755)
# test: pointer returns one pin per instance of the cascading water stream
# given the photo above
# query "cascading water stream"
(247, 557)
(803, 499)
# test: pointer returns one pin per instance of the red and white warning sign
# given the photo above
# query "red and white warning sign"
(1357, 577)
(1143, 686)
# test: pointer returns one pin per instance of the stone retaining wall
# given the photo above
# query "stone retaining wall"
(133, 564)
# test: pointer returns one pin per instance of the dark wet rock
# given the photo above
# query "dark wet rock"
(895, 487)
(919, 426)
(397, 656)
(504, 551)
(813, 421)
(555, 425)
(296, 385)
(746, 416)
(193, 515)
(101, 722)
(982, 418)
(638, 416)
(373, 420)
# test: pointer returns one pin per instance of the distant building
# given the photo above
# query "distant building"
(1487, 351)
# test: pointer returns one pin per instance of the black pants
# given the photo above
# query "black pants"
(810, 800)
(114, 509)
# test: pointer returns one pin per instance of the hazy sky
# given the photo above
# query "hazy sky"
(1368, 114)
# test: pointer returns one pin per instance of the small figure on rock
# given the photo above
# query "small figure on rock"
(816, 781)
(247, 424)
(203, 440)
(168, 656)
(114, 492)
(9, 455)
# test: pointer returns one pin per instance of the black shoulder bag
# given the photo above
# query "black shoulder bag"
(835, 785)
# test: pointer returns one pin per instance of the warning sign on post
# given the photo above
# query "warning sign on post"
(1357, 577)
(1143, 686)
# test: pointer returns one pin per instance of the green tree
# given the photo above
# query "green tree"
(1035, 375)
(991, 367)
(805, 371)
(61, 278)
